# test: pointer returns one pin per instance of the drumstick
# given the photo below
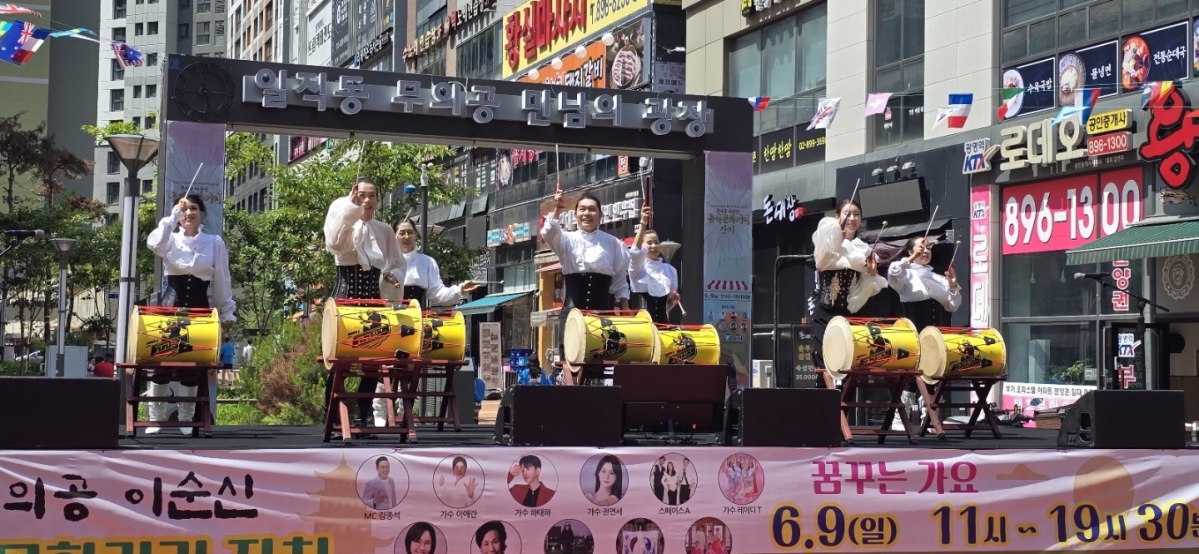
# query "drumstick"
(851, 197)
(558, 168)
(930, 223)
(189, 185)
(956, 244)
(879, 237)
(680, 305)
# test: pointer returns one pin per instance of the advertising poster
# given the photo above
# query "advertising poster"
(670, 77)
(728, 253)
(491, 355)
(626, 58)
(980, 256)
(1039, 84)
(320, 34)
(1091, 67)
(537, 30)
(1029, 398)
(1157, 55)
(343, 43)
(196, 150)
(576, 72)
(366, 22)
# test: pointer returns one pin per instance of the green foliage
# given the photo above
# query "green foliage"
(19, 154)
(117, 128)
(285, 377)
(456, 261)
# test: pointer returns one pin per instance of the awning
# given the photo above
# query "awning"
(1145, 240)
(489, 303)
(545, 258)
(553, 267)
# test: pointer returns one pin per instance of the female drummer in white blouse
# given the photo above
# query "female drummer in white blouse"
(651, 277)
(847, 272)
(193, 260)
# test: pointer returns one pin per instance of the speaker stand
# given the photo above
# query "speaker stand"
(893, 381)
(939, 397)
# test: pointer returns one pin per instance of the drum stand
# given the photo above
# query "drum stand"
(404, 374)
(176, 370)
(894, 381)
(939, 398)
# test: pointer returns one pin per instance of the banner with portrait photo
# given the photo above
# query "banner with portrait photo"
(1156, 55)
(1039, 81)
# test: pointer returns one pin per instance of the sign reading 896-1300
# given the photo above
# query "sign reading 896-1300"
(1070, 212)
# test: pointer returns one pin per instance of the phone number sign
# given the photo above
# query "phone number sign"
(1068, 213)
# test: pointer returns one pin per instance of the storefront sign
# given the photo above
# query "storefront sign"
(619, 202)
(511, 234)
(783, 209)
(538, 107)
(1037, 143)
(978, 156)
(457, 19)
(1107, 122)
(980, 256)
(787, 148)
(576, 72)
(1121, 274)
(1109, 144)
(496, 237)
(491, 352)
(539, 29)
(1171, 139)
(1070, 212)
(1038, 80)
(378, 46)
(1157, 55)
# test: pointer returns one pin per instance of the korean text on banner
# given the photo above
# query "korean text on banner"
(728, 253)
(538, 29)
(190, 145)
(491, 355)
(980, 256)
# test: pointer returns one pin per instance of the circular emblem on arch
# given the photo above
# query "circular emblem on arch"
(204, 92)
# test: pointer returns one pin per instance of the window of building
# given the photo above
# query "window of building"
(432, 61)
(1037, 28)
(113, 192)
(137, 91)
(118, 34)
(203, 6)
(203, 32)
(114, 163)
(479, 56)
(116, 99)
(785, 61)
(151, 60)
(151, 121)
(152, 28)
(184, 31)
(118, 9)
(147, 185)
(137, 121)
(118, 72)
(151, 91)
(140, 2)
(899, 69)
(185, 5)
(138, 29)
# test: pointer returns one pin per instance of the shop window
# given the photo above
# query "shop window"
(479, 56)
(899, 69)
(786, 61)
(1036, 27)
(1058, 354)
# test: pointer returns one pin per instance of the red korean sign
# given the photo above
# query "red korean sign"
(1171, 138)
(1067, 213)
(1110, 143)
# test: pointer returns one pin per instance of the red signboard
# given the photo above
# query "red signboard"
(1110, 143)
(1171, 138)
(1070, 212)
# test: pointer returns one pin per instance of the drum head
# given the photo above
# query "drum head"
(838, 345)
(135, 325)
(574, 337)
(329, 325)
(932, 354)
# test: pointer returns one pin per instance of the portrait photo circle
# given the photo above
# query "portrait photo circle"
(532, 480)
(673, 479)
(458, 481)
(709, 536)
(604, 479)
(382, 482)
(569, 536)
(640, 536)
(421, 537)
(741, 479)
(495, 537)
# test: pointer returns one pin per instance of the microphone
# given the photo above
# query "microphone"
(1095, 276)
(24, 233)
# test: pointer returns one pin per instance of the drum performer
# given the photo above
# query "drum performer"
(651, 277)
(193, 259)
(369, 262)
(928, 298)
(595, 264)
(847, 272)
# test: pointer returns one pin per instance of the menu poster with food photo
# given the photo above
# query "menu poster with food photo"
(1038, 79)
(1092, 67)
(627, 68)
(1157, 55)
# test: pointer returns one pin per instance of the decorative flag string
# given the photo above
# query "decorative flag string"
(13, 9)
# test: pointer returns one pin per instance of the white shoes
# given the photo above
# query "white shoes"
(158, 410)
(187, 410)
(380, 406)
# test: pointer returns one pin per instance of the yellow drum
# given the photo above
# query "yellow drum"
(864, 344)
(610, 337)
(444, 336)
(370, 329)
(160, 334)
(689, 344)
(955, 351)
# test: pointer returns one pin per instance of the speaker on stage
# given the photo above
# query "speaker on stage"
(59, 413)
(1125, 419)
(559, 416)
(783, 417)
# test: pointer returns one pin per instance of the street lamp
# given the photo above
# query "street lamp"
(63, 246)
(668, 248)
(424, 203)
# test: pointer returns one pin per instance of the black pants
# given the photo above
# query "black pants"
(656, 306)
(183, 291)
(821, 315)
(925, 313)
(355, 283)
(584, 291)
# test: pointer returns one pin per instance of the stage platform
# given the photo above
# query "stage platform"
(276, 437)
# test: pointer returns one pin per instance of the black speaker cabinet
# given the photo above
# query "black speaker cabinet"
(559, 416)
(783, 417)
(59, 414)
(1125, 419)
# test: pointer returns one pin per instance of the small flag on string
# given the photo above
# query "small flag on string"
(826, 110)
(759, 102)
(127, 55)
(1084, 102)
(1009, 96)
(13, 8)
(956, 113)
(1153, 94)
(20, 42)
(71, 32)
(877, 103)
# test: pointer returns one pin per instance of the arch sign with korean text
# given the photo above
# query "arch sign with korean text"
(1069, 212)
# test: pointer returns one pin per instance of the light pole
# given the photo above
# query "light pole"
(424, 204)
(63, 246)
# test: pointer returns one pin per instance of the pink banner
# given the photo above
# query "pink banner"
(1030, 398)
(980, 256)
(582, 501)
(1070, 212)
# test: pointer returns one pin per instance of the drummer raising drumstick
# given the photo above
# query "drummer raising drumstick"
(595, 264)
(651, 277)
(369, 262)
(847, 273)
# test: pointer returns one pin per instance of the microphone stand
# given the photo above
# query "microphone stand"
(1138, 356)
(12, 243)
(778, 266)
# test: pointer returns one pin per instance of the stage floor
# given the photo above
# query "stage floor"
(271, 437)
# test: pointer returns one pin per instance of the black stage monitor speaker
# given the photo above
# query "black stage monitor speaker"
(783, 417)
(59, 414)
(684, 399)
(559, 416)
(1125, 419)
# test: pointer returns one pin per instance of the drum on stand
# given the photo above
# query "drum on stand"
(689, 344)
(957, 351)
(610, 337)
(882, 345)
(370, 329)
(162, 334)
(443, 336)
